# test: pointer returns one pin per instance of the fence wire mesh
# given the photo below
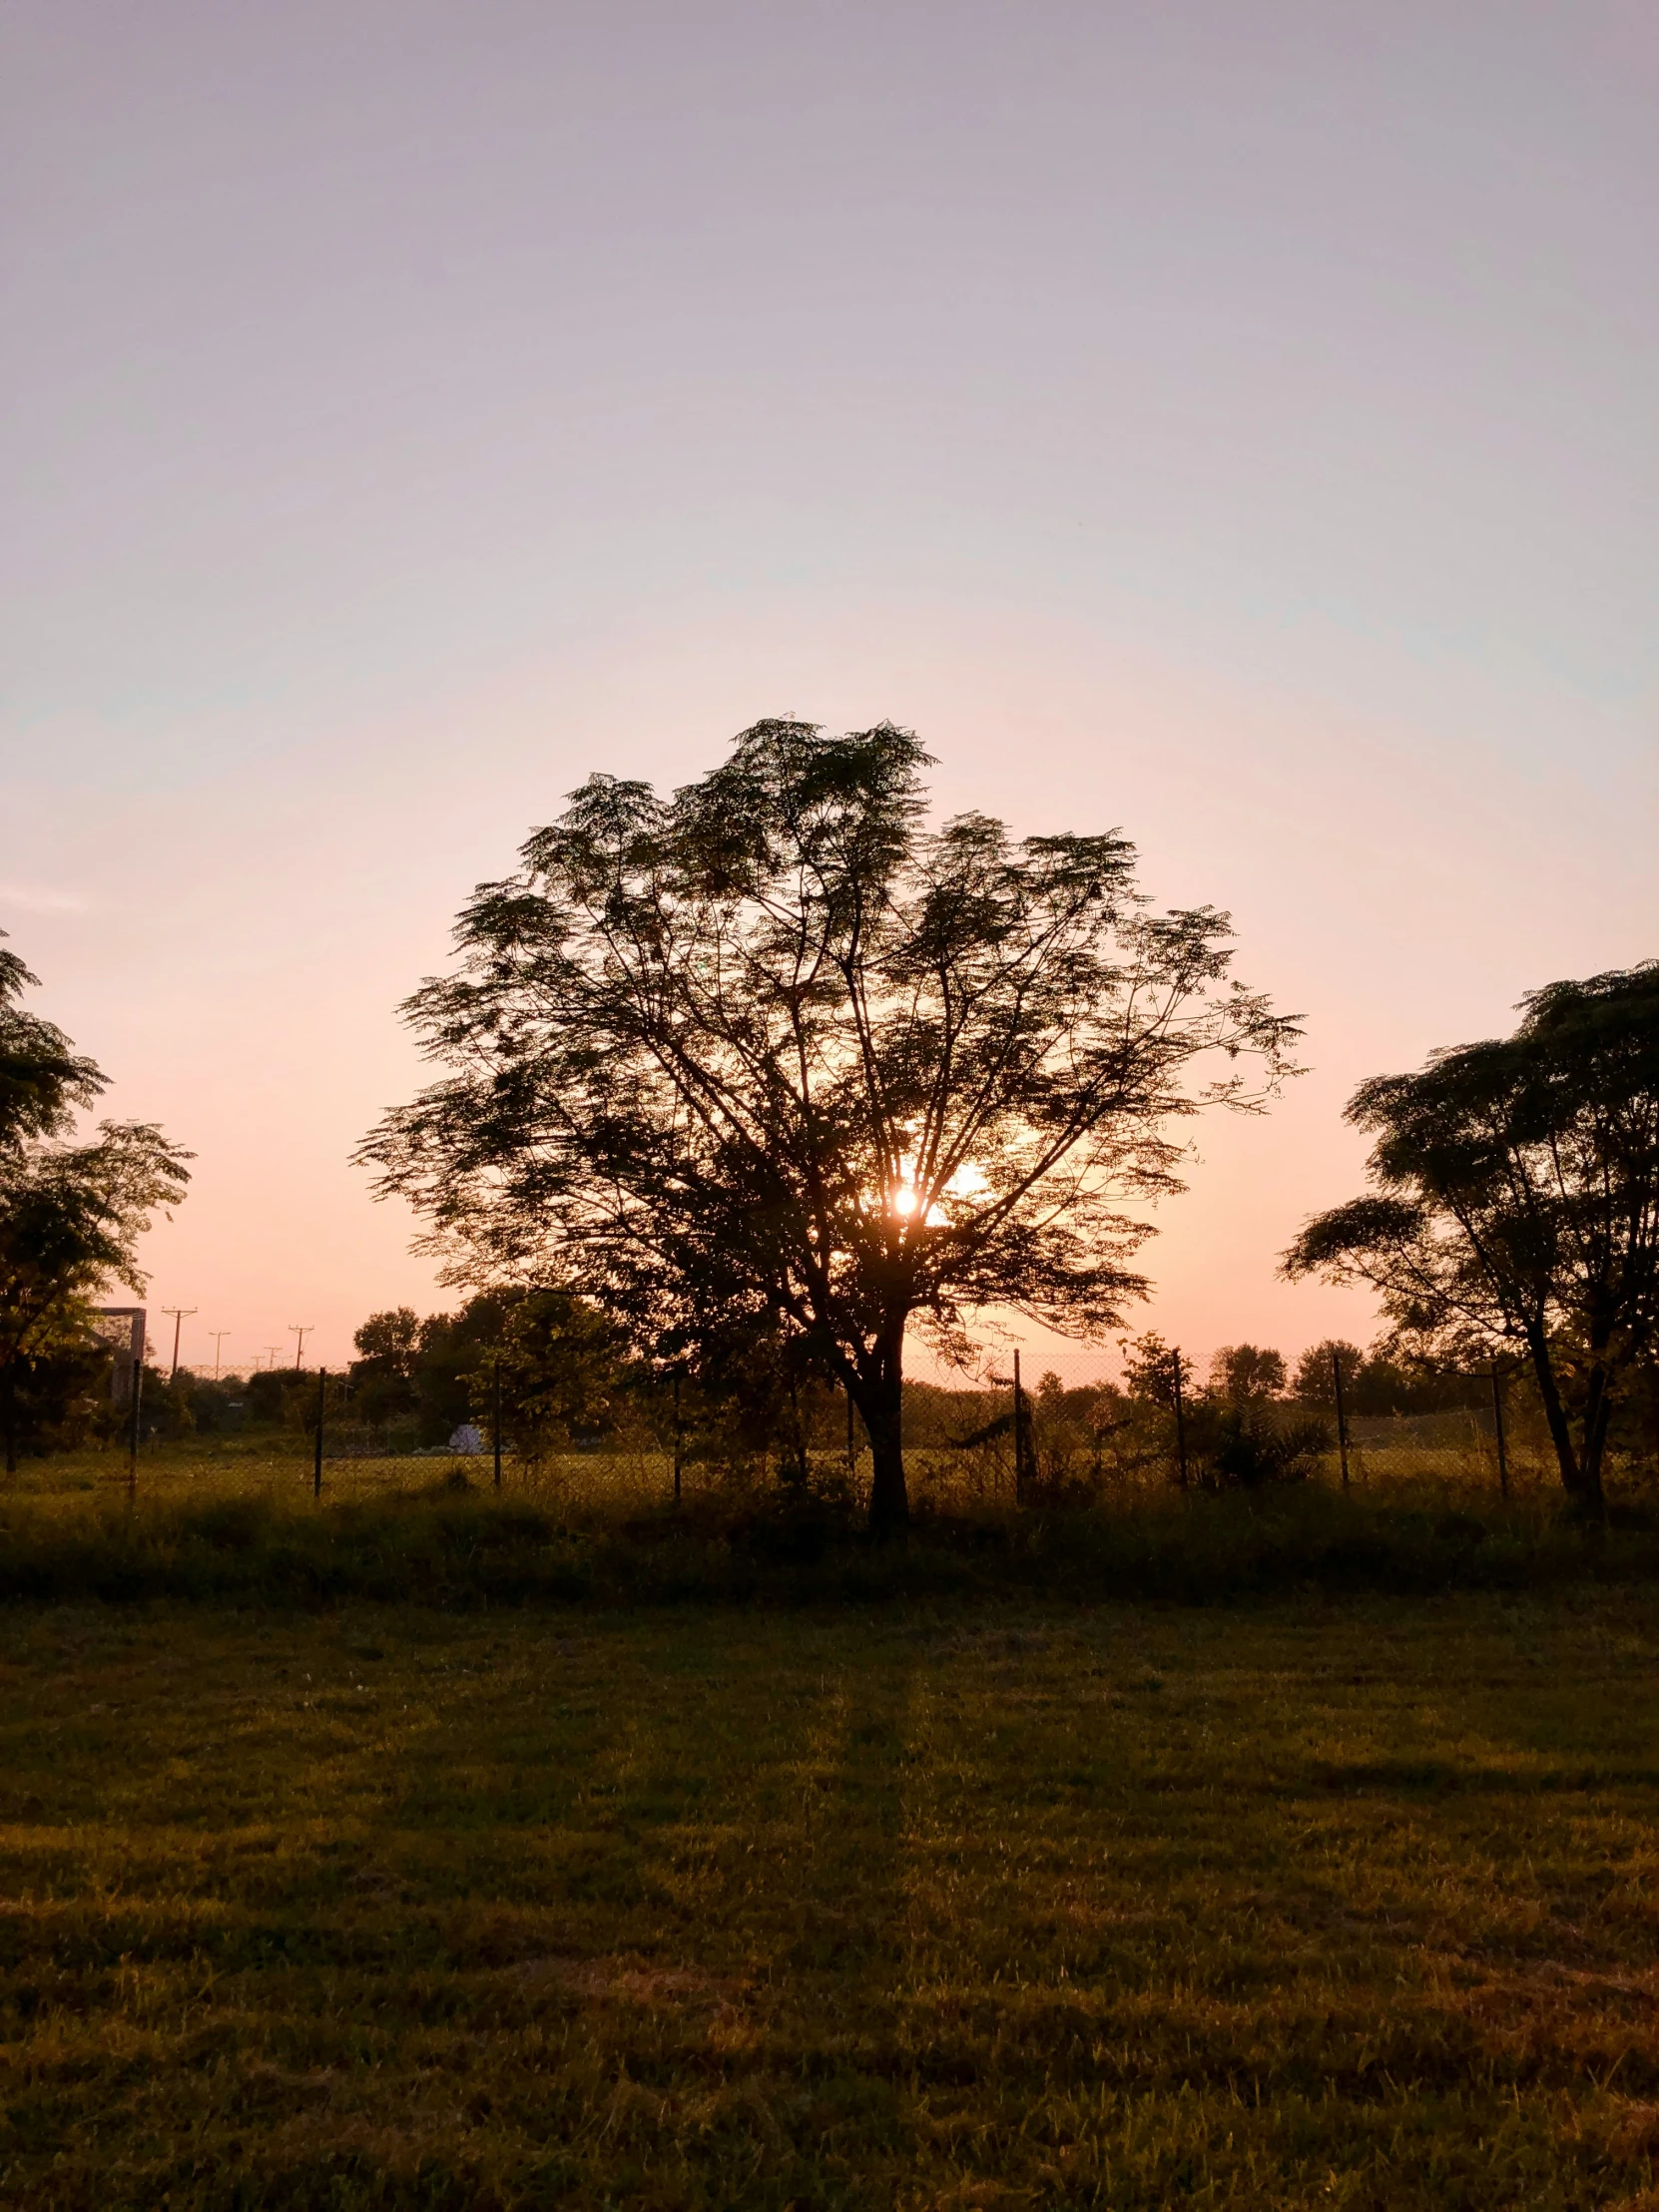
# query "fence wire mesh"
(1037, 1422)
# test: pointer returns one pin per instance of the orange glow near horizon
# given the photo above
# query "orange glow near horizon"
(272, 1054)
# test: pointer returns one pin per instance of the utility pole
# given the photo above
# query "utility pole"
(181, 1314)
(270, 1354)
(302, 1330)
(1341, 1417)
(1497, 1423)
(316, 1467)
(219, 1336)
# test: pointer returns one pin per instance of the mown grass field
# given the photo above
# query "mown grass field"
(989, 1903)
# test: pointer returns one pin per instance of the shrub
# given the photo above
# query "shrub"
(1245, 1448)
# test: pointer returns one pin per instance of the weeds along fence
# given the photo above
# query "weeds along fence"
(992, 1438)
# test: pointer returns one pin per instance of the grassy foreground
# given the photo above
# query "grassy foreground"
(933, 1906)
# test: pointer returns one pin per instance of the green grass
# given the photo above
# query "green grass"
(254, 1533)
(989, 1903)
(278, 1464)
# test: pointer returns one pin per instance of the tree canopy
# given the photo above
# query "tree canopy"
(43, 1079)
(774, 1052)
(1514, 1204)
(1247, 1374)
(71, 1214)
(559, 1365)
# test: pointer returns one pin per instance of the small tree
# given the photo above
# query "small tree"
(387, 1343)
(383, 1372)
(1515, 1203)
(447, 1348)
(1315, 1372)
(1246, 1375)
(772, 1049)
(1156, 1373)
(560, 1364)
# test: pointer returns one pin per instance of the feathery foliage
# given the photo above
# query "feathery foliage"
(771, 1053)
(1515, 1204)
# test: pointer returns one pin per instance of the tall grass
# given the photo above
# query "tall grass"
(602, 1529)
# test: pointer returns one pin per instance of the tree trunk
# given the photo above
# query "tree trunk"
(1597, 1415)
(1583, 1484)
(881, 1399)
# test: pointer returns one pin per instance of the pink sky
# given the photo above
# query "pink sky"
(1245, 436)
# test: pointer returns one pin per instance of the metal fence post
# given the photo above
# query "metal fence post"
(1498, 1421)
(132, 1433)
(495, 1419)
(1341, 1417)
(678, 1437)
(1019, 1437)
(316, 1463)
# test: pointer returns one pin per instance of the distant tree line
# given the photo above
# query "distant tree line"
(1373, 1383)
(565, 1378)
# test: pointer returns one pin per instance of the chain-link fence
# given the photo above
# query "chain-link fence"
(1033, 1424)
(1059, 1422)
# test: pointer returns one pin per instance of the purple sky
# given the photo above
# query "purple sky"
(1237, 423)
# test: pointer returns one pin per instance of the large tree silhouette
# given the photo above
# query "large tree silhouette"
(1515, 1204)
(771, 1049)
